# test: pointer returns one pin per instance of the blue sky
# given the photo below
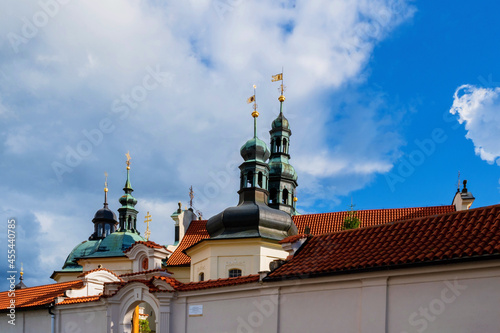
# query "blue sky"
(370, 87)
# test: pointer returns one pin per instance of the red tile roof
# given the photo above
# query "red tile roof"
(196, 232)
(179, 286)
(318, 224)
(146, 272)
(329, 222)
(150, 244)
(75, 300)
(38, 296)
(293, 239)
(465, 235)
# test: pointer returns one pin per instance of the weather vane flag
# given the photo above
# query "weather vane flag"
(277, 77)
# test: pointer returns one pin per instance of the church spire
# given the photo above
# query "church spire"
(254, 171)
(104, 219)
(105, 190)
(20, 285)
(127, 213)
(282, 175)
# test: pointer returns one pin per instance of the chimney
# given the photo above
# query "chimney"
(463, 199)
(182, 220)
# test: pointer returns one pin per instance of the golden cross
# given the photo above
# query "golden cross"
(128, 158)
(147, 233)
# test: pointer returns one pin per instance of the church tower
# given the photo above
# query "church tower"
(127, 212)
(104, 219)
(252, 217)
(244, 239)
(282, 175)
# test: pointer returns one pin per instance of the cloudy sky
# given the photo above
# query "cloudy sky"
(387, 100)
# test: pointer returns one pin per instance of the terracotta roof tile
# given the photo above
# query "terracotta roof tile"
(146, 272)
(150, 244)
(75, 300)
(293, 239)
(38, 296)
(179, 286)
(449, 236)
(318, 224)
(196, 232)
(329, 222)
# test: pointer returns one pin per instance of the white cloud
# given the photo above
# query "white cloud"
(479, 109)
(65, 79)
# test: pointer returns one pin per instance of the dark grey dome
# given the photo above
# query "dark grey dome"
(104, 214)
(251, 218)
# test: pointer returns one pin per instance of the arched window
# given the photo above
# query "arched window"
(285, 197)
(259, 181)
(99, 230)
(145, 264)
(278, 146)
(285, 150)
(250, 179)
(108, 229)
(234, 272)
(274, 195)
(201, 276)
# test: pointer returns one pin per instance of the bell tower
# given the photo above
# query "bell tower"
(282, 175)
(127, 213)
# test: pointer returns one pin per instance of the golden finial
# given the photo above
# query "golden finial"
(253, 99)
(105, 181)
(295, 199)
(128, 160)
(147, 233)
(22, 273)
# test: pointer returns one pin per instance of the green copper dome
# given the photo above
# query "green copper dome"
(255, 149)
(81, 250)
(280, 122)
(282, 169)
(114, 244)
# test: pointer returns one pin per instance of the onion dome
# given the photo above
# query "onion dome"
(280, 122)
(255, 150)
(282, 169)
(104, 214)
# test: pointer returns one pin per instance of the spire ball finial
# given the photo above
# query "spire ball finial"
(105, 181)
(128, 160)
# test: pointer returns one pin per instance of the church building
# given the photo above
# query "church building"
(260, 266)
